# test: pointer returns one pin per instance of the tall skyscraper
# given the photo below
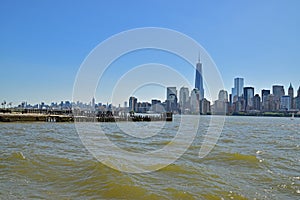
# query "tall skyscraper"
(199, 79)
(237, 91)
(171, 93)
(285, 102)
(248, 97)
(291, 94)
(264, 95)
(171, 99)
(195, 102)
(133, 104)
(278, 91)
(265, 99)
(183, 97)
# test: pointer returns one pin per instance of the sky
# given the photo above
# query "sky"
(44, 43)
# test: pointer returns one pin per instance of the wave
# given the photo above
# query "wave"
(233, 159)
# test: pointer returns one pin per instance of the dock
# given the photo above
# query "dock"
(50, 117)
(33, 117)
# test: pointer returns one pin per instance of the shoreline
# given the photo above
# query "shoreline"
(37, 117)
(43, 117)
(34, 117)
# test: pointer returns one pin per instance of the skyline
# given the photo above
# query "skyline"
(286, 91)
(44, 43)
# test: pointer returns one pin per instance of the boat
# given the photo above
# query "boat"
(293, 116)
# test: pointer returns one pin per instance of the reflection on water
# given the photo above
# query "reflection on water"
(254, 158)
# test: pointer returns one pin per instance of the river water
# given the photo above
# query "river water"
(254, 158)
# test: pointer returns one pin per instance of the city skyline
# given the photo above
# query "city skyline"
(172, 94)
(44, 43)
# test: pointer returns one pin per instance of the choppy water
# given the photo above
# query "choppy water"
(255, 158)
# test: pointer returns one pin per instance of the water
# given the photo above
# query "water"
(255, 158)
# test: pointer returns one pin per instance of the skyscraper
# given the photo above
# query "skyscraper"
(171, 99)
(256, 102)
(265, 99)
(221, 105)
(171, 93)
(93, 103)
(264, 95)
(248, 96)
(278, 91)
(195, 103)
(223, 96)
(285, 102)
(237, 91)
(199, 79)
(291, 94)
(133, 104)
(183, 97)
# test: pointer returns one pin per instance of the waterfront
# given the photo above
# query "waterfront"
(255, 158)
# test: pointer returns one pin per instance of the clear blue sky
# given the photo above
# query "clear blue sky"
(43, 43)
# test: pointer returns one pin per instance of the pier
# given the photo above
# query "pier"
(9, 115)
(32, 117)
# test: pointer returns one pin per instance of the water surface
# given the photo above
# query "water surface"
(255, 158)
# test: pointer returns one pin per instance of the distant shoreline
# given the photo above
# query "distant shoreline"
(47, 117)
(36, 117)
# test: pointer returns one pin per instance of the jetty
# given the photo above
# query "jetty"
(8, 115)
(133, 117)
(33, 117)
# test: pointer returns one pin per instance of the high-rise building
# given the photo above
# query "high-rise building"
(195, 101)
(256, 102)
(264, 98)
(248, 96)
(155, 101)
(221, 105)
(291, 94)
(171, 103)
(264, 95)
(156, 106)
(184, 98)
(223, 96)
(278, 91)
(199, 79)
(271, 104)
(93, 103)
(297, 100)
(133, 104)
(171, 93)
(237, 91)
(143, 107)
(204, 106)
(285, 102)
